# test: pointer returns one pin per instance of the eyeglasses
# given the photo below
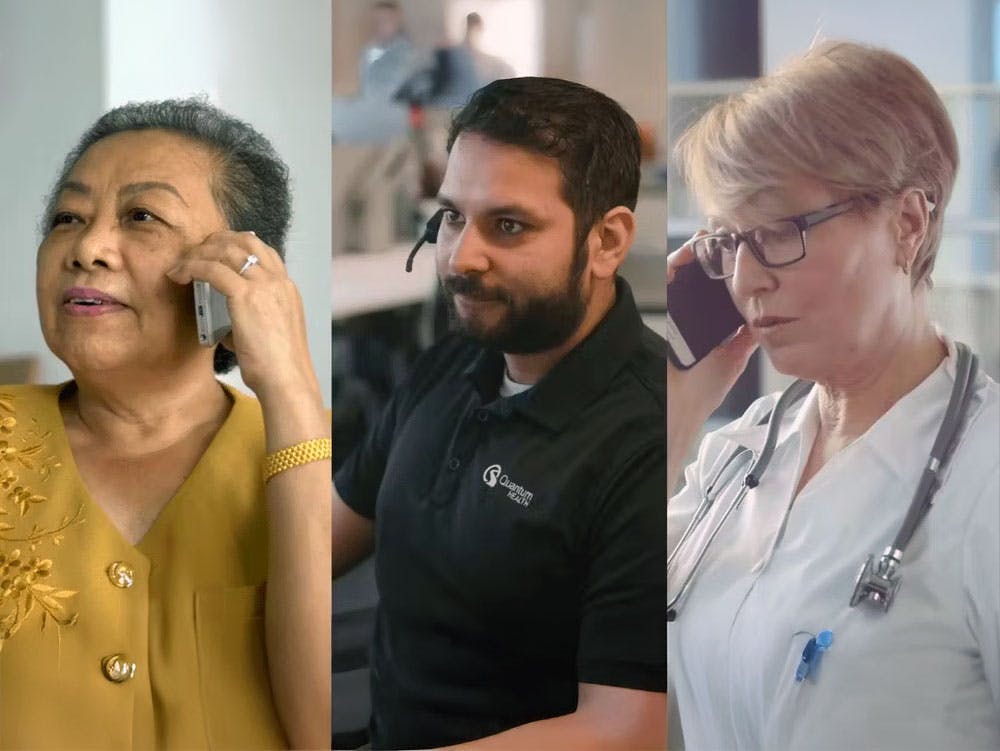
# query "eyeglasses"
(775, 244)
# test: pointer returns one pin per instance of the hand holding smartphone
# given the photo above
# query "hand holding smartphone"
(211, 313)
(700, 315)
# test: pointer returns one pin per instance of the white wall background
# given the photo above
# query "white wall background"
(63, 62)
(50, 90)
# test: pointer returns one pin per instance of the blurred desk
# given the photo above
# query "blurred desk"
(367, 282)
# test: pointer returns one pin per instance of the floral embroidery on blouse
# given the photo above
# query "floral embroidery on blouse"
(26, 581)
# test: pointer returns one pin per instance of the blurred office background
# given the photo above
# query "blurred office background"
(715, 47)
(65, 62)
(397, 74)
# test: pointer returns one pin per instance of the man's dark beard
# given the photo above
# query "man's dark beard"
(529, 326)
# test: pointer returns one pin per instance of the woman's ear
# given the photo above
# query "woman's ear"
(609, 241)
(910, 226)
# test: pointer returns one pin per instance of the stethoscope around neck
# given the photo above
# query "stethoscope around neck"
(876, 582)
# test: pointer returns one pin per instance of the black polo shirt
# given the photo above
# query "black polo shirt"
(520, 542)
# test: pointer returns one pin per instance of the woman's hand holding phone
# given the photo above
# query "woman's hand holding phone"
(269, 332)
(693, 394)
(712, 377)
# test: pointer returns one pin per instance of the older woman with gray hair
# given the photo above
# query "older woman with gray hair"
(826, 185)
(144, 505)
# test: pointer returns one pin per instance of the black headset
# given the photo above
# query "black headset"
(430, 236)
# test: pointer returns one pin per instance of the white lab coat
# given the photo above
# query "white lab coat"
(925, 675)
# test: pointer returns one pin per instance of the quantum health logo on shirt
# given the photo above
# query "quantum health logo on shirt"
(494, 475)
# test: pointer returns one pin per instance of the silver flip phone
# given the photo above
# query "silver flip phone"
(212, 314)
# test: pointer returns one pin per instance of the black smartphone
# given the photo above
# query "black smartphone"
(700, 315)
(211, 312)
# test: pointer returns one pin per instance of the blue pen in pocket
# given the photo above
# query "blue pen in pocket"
(811, 654)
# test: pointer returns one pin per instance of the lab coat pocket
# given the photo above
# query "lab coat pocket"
(791, 695)
(232, 666)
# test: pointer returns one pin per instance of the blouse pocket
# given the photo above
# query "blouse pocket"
(232, 661)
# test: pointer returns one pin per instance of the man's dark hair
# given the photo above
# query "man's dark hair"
(250, 182)
(595, 141)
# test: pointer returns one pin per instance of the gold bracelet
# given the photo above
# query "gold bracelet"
(301, 453)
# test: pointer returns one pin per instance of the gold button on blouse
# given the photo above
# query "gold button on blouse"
(117, 669)
(121, 574)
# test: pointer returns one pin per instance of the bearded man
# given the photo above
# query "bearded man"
(514, 489)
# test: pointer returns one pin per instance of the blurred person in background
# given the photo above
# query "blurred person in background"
(385, 64)
(488, 67)
(164, 539)
(464, 68)
(387, 59)
(826, 185)
(512, 491)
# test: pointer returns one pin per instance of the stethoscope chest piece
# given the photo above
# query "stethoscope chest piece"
(878, 583)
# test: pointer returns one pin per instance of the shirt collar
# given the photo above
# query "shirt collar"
(578, 377)
(802, 418)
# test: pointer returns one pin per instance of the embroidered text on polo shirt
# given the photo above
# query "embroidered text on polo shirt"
(495, 475)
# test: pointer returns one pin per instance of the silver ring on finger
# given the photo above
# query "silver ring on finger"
(252, 260)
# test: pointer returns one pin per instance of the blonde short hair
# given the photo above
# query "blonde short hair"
(859, 119)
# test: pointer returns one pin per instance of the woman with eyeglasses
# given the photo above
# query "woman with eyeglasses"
(825, 186)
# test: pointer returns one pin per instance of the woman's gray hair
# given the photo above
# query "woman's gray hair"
(250, 183)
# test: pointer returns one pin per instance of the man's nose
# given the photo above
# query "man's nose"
(469, 252)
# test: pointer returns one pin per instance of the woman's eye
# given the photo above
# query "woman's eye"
(140, 215)
(776, 233)
(510, 226)
(451, 216)
(63, 217)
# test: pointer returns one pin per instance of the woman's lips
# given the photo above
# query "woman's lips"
(770, 322)
(79, 309)
(89, 302)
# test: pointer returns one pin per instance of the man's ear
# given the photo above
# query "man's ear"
(911, 222)
(609, 241)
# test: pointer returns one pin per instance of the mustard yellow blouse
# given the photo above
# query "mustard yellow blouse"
(106, 645)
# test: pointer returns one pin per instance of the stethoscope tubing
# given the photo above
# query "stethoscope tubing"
(944, 445)
(756, 467)
(736, 503)
(707, 501)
